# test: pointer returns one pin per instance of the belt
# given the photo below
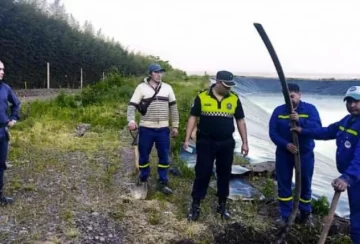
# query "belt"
(213, 138)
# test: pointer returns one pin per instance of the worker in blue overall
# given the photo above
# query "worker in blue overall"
(346, 132)
(307, 116)
(6, 96)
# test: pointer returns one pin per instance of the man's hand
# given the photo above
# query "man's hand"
(339, 184)
(132, 125)
(186, 145)
(11, 123)
(174, 132)
(292, 148)
(298, 129)
(245, 149)
(294, 116)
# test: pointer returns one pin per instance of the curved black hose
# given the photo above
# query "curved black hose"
(295, 138)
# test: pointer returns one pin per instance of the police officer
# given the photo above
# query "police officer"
(6, 95)
(307, 116)
(346, 132)
(217, 107)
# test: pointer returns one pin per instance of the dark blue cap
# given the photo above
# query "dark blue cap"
(155, 68)
(293, 87)
(226, 78)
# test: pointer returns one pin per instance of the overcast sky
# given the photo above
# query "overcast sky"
(310, 37)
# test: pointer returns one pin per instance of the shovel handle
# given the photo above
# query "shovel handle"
(136, 158)
(135, 136)
(329, 218)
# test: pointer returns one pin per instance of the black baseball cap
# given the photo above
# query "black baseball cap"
(226, 77)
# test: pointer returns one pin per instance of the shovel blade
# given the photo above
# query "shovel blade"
(138, 191)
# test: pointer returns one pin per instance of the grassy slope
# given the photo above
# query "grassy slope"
(71, 189)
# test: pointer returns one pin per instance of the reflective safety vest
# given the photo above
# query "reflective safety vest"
(212, 107)
(217, 117)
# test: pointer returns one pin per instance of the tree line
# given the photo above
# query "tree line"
(34, 33)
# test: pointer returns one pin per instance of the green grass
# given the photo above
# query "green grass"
(61, 179)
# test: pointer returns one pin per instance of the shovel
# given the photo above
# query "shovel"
(138, 189)
(328, 219)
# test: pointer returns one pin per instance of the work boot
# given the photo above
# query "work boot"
(281, 222)
(306, 219)
(194, 212)
(164, 188)
(5, 200)
(221, 209)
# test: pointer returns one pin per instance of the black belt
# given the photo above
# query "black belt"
(213, 138)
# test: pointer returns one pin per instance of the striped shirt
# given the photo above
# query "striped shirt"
(160, 109)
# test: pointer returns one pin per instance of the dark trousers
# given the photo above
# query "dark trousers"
(147, 138)
(354, 202)
(284, 173)
(4, 143)
(207, 152)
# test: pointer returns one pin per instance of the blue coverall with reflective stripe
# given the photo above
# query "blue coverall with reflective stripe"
(346, 132)
(7, 96)
(280, 134)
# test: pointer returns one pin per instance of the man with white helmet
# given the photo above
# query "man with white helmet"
(347, 135)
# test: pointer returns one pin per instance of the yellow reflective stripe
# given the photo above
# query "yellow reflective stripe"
(164, 166)
(305, 201)
(288, 116)
(350, 131)
(285, 199)
(144, 166)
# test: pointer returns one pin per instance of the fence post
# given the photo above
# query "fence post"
(48, 75)
(81, 78)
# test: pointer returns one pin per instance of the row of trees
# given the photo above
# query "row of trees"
(33, 33)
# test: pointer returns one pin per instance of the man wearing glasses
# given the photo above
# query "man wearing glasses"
(306, 116)
(154, 123)
(217, 107)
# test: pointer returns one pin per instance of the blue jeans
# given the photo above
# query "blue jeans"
(147, 138)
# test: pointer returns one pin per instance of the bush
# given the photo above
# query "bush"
(113, 88)
(63, 100)
(320, 206)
